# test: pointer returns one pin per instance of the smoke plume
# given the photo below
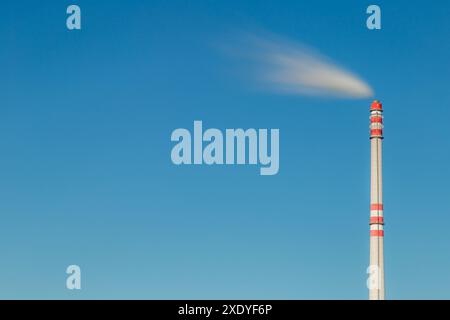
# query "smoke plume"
(288, 67)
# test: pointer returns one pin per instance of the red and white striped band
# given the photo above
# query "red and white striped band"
(376, 206)
(376, 132)
(376, 119)
(377, 233)
(377, 220)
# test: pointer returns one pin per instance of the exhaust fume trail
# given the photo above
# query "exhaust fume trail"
(291, 68)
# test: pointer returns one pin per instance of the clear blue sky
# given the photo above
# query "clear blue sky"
(86, 176)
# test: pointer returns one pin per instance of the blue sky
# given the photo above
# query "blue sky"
(86, 176)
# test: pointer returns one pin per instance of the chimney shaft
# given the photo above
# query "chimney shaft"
(376, 283)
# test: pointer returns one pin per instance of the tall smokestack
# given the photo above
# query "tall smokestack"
(376, 287)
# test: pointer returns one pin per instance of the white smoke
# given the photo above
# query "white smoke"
(288, 67)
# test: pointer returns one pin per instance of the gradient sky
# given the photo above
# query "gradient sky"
(86, 176)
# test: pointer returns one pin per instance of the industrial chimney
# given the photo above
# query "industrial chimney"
(376, 287)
